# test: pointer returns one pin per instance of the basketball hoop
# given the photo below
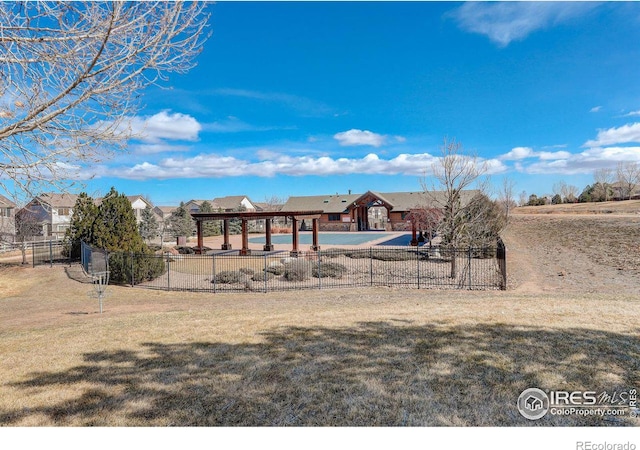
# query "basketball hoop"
(100, 283)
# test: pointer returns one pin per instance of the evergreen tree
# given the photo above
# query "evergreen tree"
(149, 227)
(115, 228)
(235, 225)
(210, 227)
(181, 222)
(85, 213)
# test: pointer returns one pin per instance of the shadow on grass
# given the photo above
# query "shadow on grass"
(374, 374)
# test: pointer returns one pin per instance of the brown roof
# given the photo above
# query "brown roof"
(166, 209)
(229, 202)
(56, 200)
(327, 203)
(399, 201)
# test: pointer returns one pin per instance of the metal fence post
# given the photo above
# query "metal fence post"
(469, 264)
(50, 253)
(213, 276)
(168, 273)
(371, 265)
(132, 277)
(418, 265)
(265, 272)
(319, 271)
(33, 253)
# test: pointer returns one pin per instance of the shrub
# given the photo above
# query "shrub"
(145, 267)
(275, 269)
(227, 277)
(296, 271)
(263, 276)
(328, 269)
(183, 250)
(247, 271)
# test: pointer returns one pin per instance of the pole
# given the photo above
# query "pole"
(469, 264)
(168, 273)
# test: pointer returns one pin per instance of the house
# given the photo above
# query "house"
(163, 213)
(368, 211)
(621, 191)
(233, 203)
(139, 204)
(53, 212)
(7, 219)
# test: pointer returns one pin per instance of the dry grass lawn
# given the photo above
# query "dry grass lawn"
(375, 356)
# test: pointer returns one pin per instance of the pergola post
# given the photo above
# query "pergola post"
(315, 247)
(199, 233)
(268, 246)
(226, 245)
(388, 225)
(353, 226)
(294, 250)
(414, 236)
(245, 239)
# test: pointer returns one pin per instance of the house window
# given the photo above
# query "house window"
(63, 211)
(334, 217)
(5, 212)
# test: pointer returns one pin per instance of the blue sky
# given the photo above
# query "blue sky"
(317, 98)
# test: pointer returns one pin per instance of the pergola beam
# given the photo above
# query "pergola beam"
(245, 216)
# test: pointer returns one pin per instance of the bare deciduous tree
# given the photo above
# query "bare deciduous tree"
(27, 227)
(628, 177)
(567, 192)
(71, 75)
(505, 196)
(603, 178)
(454, 173)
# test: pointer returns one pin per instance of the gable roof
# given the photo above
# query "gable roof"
(327, 203)
(398, 201)
(133, 198)
(166, 209)
(56, 200)
(6, 203)
(229, 202)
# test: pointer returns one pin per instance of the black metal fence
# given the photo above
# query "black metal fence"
(47, 252)
(228, 271)
(93, 260)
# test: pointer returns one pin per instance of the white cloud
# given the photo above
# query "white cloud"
(273, 163)
(632, 114)
(595, 109)
(621, 135)
(584, 162)
(360, 137)
(552, 156)
(166, 125)
(518, 153)
(504, 22)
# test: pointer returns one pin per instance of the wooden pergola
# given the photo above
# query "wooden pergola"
(245, 216)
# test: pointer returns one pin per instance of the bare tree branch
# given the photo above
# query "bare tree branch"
(71, 74)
